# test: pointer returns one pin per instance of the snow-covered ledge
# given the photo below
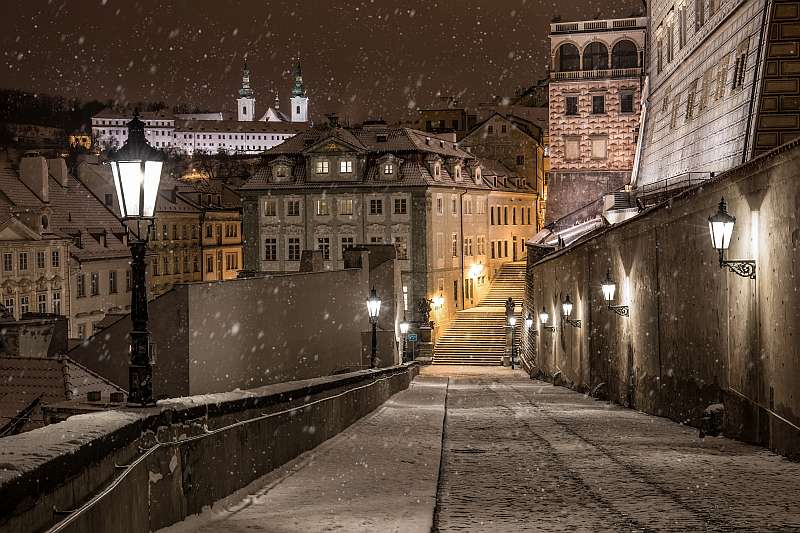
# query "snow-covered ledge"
(167, 462)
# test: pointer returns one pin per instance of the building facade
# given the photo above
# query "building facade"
(73, 260)
(723, 85)
(332, 188)
(212, 132)
(596, 74)
(196, 233)
(517, 144)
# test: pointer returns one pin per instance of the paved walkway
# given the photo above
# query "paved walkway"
(524, 455)
(379, 474)
(518, 455)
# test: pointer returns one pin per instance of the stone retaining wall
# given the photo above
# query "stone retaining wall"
(182, 458)
(697, 334)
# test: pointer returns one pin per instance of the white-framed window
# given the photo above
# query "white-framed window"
(376, 239)
(112, 282)
(388, 168)
(439, 204)
(270, 249)
(40, 255)
(56, 298)
(346, 243)
(458, 172)
(293, 208)
(401, 244)
(324, 245)
(8, 262)
(271, 208)
(467, 245)
(231, 261)
(454, 204)
(345, 206)
(293, 249)
(400, 206)
(454, 244)
(321, 166)
(24, 304)
(22, 261)
(376, 206)
(321, 207)
(467, 205)
(41, 302)
(437, 170)
(94, 283)
(346, 167)
(480, 245)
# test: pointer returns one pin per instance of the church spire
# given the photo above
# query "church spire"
(298, 89)
(246, 91)
(277, 101)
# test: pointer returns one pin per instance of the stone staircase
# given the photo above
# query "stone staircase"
(477, 336)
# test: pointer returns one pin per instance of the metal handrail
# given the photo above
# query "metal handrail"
(74, 514)
(767, 409)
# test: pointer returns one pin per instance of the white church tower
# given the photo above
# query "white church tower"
(246, 103)
(299, 99)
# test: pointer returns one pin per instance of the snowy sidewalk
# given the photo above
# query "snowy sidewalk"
(380, 474)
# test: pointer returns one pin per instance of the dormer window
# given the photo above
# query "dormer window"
(382, 137)
(346, 167)
(388, 168)
(477, 174)
(437, 170)
(322, 167)
(458, 172)
(281, 171)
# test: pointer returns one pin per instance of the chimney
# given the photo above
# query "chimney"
(58, 169)
(33, 173)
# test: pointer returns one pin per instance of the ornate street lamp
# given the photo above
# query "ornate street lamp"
(720, 226)
(136, 168)
(609, 289)
(404, 325)
(528, 320)
(566, 311)
(373, 309)
(512, 323)
(544, 316)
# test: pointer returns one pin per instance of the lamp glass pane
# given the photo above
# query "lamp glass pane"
(567, 308)
(118, 188)
(543, 317)
(512, 320)
(152, 177)
(403, 327)
(608, 291)
(373, 307)
(132, 177)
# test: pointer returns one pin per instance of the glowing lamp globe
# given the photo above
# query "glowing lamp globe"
(544, 316)
(720, 225)
(512, 321)
(136, 168)
(404, 327)
(566, 307)
(373, 305)
(609, 288)
(529, 320)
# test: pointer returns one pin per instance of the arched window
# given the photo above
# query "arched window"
(569, 59)
(595, 57)
(624, 55)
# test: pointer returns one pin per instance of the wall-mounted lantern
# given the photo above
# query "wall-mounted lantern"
(438, 301)
(566, 311)
(609, 289)
(544, 316)
(720, 226)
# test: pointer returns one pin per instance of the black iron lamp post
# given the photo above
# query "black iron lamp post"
(137, 172)
(373, 309)
(544, 316)
(404, 331)
(566, 311)
(512, 323)
(720, 225)
(609, 289)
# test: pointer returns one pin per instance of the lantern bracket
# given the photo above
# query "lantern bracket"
(621, 310)
(572, 322)
(745, 268)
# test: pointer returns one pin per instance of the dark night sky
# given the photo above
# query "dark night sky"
(365, 58)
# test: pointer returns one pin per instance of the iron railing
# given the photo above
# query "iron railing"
(634, 72)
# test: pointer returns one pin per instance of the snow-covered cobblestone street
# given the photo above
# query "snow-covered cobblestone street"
(524, 455)
(516, 455)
